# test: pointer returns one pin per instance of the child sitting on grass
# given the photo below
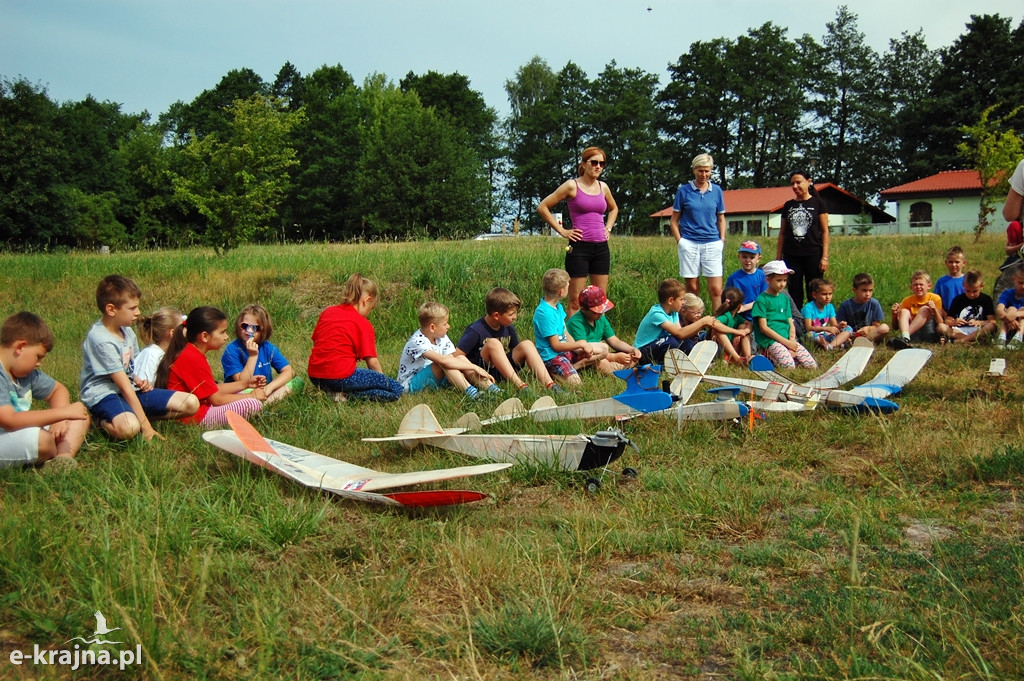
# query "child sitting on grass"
(774, 330)
(491, 342)
(1010, 309)
(971, 315)
(560, 352)
(591, 324)
(863, 313)
(919, 316)
(51, 435)
(186, 368)
(735, 346)
(820, 323)
(429, 361)
(253, 324)
(343, 336)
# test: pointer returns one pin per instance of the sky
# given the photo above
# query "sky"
(147, 54)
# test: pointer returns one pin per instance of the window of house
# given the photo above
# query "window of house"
(735, 226)
(754, 227)
(921, 214)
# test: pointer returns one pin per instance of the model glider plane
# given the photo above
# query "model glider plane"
(642, 395)
(339, 477)
(565, 452)
(900, 370)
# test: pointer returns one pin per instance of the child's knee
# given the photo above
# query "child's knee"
(124, 426)
(188, 405)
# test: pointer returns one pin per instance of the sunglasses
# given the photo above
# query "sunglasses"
(251, 328)
(598, 164)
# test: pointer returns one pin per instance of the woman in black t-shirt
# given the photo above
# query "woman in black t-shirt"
(803, 236)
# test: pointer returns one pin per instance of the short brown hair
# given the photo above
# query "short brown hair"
(555, 279)
(501, 300)
(669, 288)
(862, 279)
(28, 327)
(920, 274)
(431, 312)
(116, 290)
(972, 278)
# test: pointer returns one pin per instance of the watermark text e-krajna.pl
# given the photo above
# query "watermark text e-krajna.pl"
(76, 657)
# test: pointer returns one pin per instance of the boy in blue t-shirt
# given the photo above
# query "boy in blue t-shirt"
(748, 278)
(863, 313)
(1010, 309)
(559, 350)
(949, 286)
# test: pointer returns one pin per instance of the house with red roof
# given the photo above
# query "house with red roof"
(754, 212)
(944, 202)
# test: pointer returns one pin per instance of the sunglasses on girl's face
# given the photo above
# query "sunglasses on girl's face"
(251, 328)
(598, 164)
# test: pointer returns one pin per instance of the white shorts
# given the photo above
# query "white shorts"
(18, 447)
(700, 259)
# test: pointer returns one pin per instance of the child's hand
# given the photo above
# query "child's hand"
(635, 355)
(143, 385)
(842, 325)
(252, 346)
(148, 433)
(895, 308)
(76, 412)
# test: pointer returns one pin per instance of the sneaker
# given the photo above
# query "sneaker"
(899, 343)
(339, 397)
(556, 389)
(1000, 341)
(494, 391)
(1015, 342)
(59, 464)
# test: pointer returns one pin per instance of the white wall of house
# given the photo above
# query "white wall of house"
(949, 214)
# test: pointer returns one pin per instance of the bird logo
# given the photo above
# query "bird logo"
(101, 630)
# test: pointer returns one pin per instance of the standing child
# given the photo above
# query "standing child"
(556, 346)
(55, 434)
(156, 332)
(749, 278)
(950, 285)
(1010, 309)
(820, 323)
(120, 404)
(253, 324)
(429, 361)
(919, 316)
(863, 313)
(735, 346)
(185, 368)
(491, 342)
(774, 330)
(971, 315)
(343, 336)
(590, 324)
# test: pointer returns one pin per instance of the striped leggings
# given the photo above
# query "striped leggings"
(218, 416)
(783, 358)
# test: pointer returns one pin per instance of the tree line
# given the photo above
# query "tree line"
(320, 157)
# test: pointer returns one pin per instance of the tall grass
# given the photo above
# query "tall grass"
(823, 545)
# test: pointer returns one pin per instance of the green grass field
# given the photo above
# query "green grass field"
(818, 546)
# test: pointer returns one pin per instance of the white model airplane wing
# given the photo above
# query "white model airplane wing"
(850, 366)
(323, 472)
(690, 369)
(901, 369)
(418, 424)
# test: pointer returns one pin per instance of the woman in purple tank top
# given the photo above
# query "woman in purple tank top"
(588, 199)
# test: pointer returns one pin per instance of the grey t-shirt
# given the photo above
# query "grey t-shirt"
(104, 354)
(19, 393)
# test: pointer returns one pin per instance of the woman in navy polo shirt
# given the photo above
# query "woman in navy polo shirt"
(698, 226)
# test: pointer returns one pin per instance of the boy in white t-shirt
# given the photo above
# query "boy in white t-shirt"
(429, 361)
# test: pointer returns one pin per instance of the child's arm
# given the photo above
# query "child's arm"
(373, 364)
(688, 331)
(569, 344)
(10, 419)
(124, 384)
(249, 368)
(619, 345)
(60, 398)
(283, 376)
(456, 362)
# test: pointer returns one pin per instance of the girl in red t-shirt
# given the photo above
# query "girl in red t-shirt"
(342, 337)
(185, 368)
